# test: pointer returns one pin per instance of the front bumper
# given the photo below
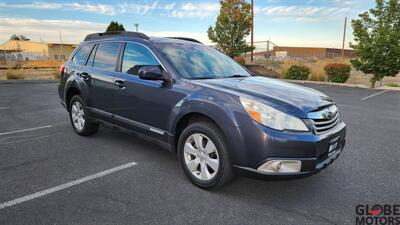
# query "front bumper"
(312, 150)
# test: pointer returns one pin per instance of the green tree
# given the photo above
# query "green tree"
(115, 27)
(232, 27)
(19, 37)
(377, 40)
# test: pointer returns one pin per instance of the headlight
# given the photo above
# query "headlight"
(271, 117)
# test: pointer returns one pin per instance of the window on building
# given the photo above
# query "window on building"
(56, 57)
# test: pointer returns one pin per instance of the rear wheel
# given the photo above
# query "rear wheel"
(81, 123)
(204, 155)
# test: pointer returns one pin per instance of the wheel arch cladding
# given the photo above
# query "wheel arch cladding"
(189, 110)
(71, 92)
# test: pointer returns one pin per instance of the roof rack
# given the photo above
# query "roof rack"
(186, 39)
(97, 36)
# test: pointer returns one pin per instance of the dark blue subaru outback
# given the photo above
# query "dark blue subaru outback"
(196, 101)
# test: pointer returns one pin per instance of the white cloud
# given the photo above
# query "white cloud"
(86, 7)
(73, 31)
(106, 9)
(48, 30)
(200, 36)
(140, 9)
(302, 13)
(200, 10)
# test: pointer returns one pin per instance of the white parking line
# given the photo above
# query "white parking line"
(326, 85)
(6, 107)
(373, 95)
(24, 130)
(64, 186)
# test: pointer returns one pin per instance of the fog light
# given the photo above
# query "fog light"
(281, 166)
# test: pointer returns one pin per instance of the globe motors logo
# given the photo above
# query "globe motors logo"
(378, 214)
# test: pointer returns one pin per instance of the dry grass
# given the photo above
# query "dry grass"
(316, 67)
(14, 75)
(56, 75)
(42, 64)
(32, 64)
(393, 84)
(32, 74)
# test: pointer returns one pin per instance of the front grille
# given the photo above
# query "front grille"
(325, 120)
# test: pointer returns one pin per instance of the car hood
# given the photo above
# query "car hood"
(279, 94)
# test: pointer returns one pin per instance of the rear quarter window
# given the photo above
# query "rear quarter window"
(82, 54)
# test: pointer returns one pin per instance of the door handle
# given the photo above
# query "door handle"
(120, 84)
(85, 76)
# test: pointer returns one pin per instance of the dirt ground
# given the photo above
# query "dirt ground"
(34, 74)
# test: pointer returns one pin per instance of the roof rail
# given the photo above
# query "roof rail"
(97, 36)
(186, 39)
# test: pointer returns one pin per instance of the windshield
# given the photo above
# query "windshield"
(197, 61)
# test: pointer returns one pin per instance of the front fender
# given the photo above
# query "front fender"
(222, 113)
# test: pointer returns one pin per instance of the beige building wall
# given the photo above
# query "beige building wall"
(37, 50)
(55, 51)
(26, 46)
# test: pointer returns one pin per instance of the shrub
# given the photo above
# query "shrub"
(297, 72)
(56, 75)
(392, 84)
(337, 72)
(240, 59)
(13, 75)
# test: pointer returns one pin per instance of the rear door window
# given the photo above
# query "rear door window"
(106, 56)
(82, 54)
(135, 57)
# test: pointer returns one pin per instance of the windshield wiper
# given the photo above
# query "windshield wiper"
(236, 75)
(202, 78)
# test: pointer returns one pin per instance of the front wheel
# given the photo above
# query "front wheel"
(204, 155)
(79, 119)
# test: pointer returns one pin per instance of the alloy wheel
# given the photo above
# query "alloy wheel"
(78, 115)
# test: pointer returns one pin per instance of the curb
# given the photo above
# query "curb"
(342, 85)
(28, 81)
(327, 83)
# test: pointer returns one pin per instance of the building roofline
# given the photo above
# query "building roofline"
(38, 42)
(310, 47)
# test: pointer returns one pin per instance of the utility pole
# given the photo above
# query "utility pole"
(137, 26)
(61, 46)
(252, 30)
(344, 36)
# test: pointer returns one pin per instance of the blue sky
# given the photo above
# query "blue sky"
(286, 22)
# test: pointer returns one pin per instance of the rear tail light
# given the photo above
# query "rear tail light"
(62, 68)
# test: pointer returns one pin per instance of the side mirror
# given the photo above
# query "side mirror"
(150, 73)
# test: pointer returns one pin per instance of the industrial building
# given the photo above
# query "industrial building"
(15, 50)
(303, 52)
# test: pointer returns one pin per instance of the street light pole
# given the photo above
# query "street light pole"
(344, 36)
(61, 47)
(252, 30)
(137, 26)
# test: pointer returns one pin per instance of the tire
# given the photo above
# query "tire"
(199, 164)
(77, 109)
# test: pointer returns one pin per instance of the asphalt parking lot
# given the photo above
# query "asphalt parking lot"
(117, 178)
